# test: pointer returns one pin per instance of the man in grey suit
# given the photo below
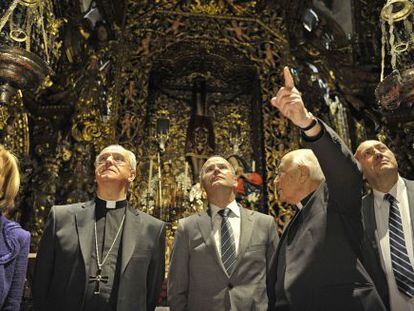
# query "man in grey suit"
(317, 265)
(388, 216)
(102, 254)
(221, 256)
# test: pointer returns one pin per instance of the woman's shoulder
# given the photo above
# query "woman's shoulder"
(16, 239)
(12, 229)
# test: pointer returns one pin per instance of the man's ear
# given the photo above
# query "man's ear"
(203, 190)
(304, 173)
(360, 168)
(132, 175)
(203, 194)
(234, 181)
(201, 185)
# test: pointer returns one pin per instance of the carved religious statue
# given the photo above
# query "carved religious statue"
(200, 143)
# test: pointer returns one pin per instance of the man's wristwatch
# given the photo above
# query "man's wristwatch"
(311, 125)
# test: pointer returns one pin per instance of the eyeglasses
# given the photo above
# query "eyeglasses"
(117, 158)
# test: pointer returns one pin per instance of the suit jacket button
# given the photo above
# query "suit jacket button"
(230, 286)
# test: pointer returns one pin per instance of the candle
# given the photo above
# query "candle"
(150, 175)
(185, 174)
(253, 166)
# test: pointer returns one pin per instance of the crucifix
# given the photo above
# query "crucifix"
(98, 279)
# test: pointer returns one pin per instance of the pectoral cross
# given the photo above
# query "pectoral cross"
(98, 279)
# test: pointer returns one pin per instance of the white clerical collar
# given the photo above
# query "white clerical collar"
(110, 204)
(233, 206)
(304, 201)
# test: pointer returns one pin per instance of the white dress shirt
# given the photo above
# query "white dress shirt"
(234, 220)
(398, 301)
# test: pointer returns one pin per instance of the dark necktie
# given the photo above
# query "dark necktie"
(401, 265)
(228, 249)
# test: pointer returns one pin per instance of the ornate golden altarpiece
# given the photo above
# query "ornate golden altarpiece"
(112, 82)
(113, 89)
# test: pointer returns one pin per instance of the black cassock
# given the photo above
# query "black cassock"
(102, 290)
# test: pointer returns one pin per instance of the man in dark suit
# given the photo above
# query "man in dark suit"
(102, 254)
(221, 257)
(317, 265)
(388, 217)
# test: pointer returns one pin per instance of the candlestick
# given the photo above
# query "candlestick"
(151, 164)
(185, 175)
(253, 166)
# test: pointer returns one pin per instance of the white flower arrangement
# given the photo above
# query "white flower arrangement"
(195, 198)
(183, 181)
(253, 197)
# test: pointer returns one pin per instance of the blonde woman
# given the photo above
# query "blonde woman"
(14, 241)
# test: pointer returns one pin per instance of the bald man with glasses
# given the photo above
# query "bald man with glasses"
(102, 254)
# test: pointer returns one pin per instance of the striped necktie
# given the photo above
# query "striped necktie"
(401, 265)
(228, 249)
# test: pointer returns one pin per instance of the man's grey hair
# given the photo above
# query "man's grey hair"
(307, 158)
(131, 156)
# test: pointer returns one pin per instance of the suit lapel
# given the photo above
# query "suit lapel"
(206, 229)
(410, 194)
(85, 217)
(370, 224)
(285, 233)
(369, 214)
(130, 235)
(306, 212)
(283, 237)
(290, 229)
(246, 228)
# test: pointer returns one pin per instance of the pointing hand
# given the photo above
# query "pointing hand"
(289, 102)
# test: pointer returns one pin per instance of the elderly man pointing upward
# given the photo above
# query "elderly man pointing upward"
(317, 265)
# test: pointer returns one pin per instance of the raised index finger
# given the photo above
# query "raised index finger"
(289, 83)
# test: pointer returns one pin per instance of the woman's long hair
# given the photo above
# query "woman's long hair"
(11, 178)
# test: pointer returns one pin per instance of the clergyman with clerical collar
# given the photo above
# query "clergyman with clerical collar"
(102, 254)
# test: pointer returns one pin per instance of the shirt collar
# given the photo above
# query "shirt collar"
(304, 201)
(110, 204)
(233, 206)
(396, 191)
